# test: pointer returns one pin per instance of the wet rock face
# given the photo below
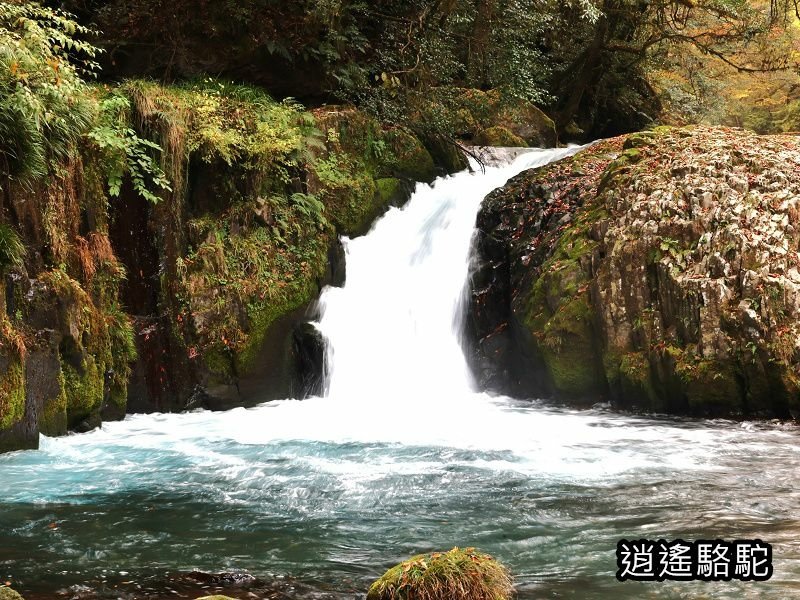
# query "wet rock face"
(309, 349)
(659, 271)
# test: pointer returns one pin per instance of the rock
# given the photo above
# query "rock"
(6, 593)
(647, 271)
(494, 119)
(499, 136)
(448, 575)
(309, 348)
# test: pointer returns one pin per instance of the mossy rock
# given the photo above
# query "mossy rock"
(446, 154)
(501, 137)
(84, 390)
(409, 158)
(12, 391)
(392, 191)
(355, 209)
(6, 593)
(485, 110)
(457, 574)
(712, 387)
(636, 381)
(558, 314)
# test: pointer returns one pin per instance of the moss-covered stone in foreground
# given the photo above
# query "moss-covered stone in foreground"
(6, 593)
(457, 574)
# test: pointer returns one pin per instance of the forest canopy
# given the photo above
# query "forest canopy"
(598, 66)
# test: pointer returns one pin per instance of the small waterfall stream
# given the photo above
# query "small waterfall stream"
(401, 456)
(393, 329)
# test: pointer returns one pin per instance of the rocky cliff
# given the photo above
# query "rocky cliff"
(658, 271)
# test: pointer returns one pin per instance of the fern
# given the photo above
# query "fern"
(310, 206)
(45, 106)
(127, 153)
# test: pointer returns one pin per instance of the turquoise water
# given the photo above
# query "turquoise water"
(211, 491)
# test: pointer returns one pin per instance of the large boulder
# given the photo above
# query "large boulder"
(491, 118)
(659, 271)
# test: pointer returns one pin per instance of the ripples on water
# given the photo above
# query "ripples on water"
(402, 458)
(227, 491)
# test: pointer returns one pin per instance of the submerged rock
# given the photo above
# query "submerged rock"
(658, 270)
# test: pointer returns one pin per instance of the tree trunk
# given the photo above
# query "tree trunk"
(477, 66)
(586, 67)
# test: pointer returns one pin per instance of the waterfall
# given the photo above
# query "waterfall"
(394, 327)
(402, 456)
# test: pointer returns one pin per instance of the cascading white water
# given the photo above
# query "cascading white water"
(393, 329)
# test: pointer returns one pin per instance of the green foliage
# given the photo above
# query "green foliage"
(44, 104)
(309, 206)
(125, 153)
(445, 576)
(12, 250)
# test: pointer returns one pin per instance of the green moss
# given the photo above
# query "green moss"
(12, 393)
(566, 341)
(262, 316)
(84, 391)
(6, 593)
(12, 377)
(391, 192)
(117, 351)
(354, 212)
(466, 574)
(53, 418)
(499, 136)
(711, 386)
(636, 382)
(560, 318)
(559, 315)
(408, 157)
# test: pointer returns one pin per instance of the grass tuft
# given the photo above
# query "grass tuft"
(458, 574)
(12, 250)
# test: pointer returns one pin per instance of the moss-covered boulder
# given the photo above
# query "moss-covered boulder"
(499, 136)
(6, 593)
(459, 573)
(492, 118)
(657, 271)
